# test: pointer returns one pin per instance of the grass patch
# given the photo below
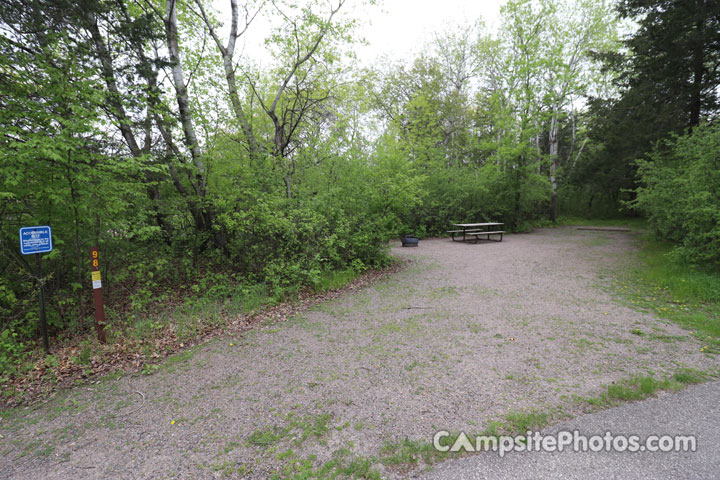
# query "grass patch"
(676, 291)
(519, 422)
(249, 298)
(636, 389)
(689, 376)
(335, 279)
(642, 387)
(230, 469)
(683, 281)
(633, 223)
(299, 428)
(342, 465)
(407, 454)
(267, 436)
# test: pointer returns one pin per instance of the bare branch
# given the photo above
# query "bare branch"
(209, 25)
(306, 57)
(197, 65)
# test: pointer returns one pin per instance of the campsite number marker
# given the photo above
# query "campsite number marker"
(97, 294)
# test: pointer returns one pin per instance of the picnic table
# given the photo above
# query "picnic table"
(476, 230)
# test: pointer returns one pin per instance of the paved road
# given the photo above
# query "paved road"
(695, 411)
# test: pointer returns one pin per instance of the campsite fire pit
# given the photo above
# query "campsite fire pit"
(409, 240)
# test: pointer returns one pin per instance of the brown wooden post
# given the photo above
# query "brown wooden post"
(97, 294)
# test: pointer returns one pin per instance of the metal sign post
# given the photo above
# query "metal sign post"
(34, 241)
(97, 294)
(41, 298)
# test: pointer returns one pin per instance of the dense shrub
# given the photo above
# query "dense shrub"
(680, 194)
(288, 244)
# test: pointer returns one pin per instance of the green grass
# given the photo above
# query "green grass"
(267, 436)
(230, 469)
(681, 280)
(641, 387)
(676, 291)
(689, 377)
(298, 427)
(333, 280)
(251, 298)
(401, 456)
(407, 454)
(342, 465)
(633, 223)
(636, 389)
(520, 422)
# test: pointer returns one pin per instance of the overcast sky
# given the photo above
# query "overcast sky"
(399, 28)
(394, 28)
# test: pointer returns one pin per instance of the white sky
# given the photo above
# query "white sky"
(399, 28)
(393, 28)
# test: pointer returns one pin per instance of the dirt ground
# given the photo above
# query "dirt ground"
(462, 336)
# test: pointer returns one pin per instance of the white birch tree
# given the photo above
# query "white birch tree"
(543, 71)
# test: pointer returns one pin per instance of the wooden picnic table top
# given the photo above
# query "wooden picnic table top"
(471, 225)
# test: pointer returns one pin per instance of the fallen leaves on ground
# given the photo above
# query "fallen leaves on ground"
(63, 369)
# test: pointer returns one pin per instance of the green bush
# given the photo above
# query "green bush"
(680, 194)
(288, 244)
(12, 352)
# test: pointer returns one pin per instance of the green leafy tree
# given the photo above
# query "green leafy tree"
(680, 194)
(552, 71)
(56, 169)
(307, 51)
(667, 81)
(675, 55)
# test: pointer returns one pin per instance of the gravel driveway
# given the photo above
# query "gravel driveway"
(460, 337)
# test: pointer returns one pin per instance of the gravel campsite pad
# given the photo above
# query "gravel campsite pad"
(461, 336)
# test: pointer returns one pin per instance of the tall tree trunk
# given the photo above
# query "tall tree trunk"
(114, 98)
(228, 52)
(202, 214)
(698, 65)
(119, 110)
(181, 95)
(206, 218)
(288, 185)
(553, 142)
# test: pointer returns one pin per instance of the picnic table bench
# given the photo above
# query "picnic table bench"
(476, 230)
